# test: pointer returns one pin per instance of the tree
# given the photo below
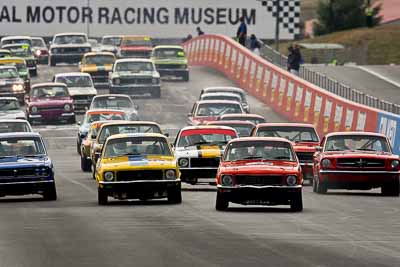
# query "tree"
(339, 15)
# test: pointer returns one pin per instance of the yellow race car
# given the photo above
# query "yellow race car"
(138, 166)
(98, 65)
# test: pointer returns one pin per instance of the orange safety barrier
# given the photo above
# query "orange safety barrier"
(288, 95)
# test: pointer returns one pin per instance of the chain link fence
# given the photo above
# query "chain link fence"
(330, 84)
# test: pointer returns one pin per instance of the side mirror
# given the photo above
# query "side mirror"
(50, 43)
(26, 98)
(83, 136)
(79, 123)
(136, 106)
(318, 149)
(166, 134)
(79, 63)
(93, 136)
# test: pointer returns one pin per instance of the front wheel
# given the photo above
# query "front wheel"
(52, 62)
(86, 164)
(321, 187)
(391, 189)
(185, 77)
(175, 195)
(50, 193)
(296, 203)
(221, 203)
(102, 196)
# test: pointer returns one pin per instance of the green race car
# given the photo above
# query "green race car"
(22, 69)
(24, 51)
(171, 61)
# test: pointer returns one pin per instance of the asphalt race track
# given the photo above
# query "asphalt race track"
(338, 229)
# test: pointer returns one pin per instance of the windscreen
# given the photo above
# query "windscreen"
(21, 146)
(259, 150)
(110, 130)
(136, 42)
(294, 134)
(38, 43)
(70, 39)
(357, 142)
(50, 92)
(169, 53)
(12, 127)
(8, 73)
(105, 116)
(8, 104)
(205, 137)
(218, 109)
(137, 146)
(114, 41)
(75, 81)
(134, 66)
(112, 102)
(100, 59)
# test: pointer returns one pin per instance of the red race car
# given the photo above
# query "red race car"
(259, 170)
(209, 110)
(304, 137)
(356, 160)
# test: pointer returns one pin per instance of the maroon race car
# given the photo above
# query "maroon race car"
(356, 160)
(49, 102)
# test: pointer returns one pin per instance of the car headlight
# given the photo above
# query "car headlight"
(116, 81)
(183, 162)
(326, 163)
(44, 171)
(170, 174)
(67, 107)
(291, 180)
(17, 87)
(395, 164)
(108, 176)
(154, 81)
(38, 52)
(227, 180)
(34, 109)
(55, 51)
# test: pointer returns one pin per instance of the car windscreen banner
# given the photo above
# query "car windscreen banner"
(163, 19)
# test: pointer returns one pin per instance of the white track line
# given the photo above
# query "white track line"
(380, 76)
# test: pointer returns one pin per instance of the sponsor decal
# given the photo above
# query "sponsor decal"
(362, 117)
(338, 117)
(274, 86)
(307, 105)
(282, 87)
(349, 119)
(299, 97)
(317, 109)
(327, 115)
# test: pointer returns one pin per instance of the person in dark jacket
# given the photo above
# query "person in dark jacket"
(290, 58)
(199, 31)
(241, 33)
(296, 60)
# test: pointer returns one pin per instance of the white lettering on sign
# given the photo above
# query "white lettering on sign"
(318, 103)
(388, 127)
(362, 117)
(349, 118)
(165, 19)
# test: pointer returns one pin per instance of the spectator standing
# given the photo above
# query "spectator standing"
(297, 59)
(241, 33)
(254, 45)
(199, 31)
(290, 58)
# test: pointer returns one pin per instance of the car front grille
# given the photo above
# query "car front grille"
(70, 50)
(204, 162)
(26, 172)
(50, 108)
(133, 80)
(140, 175)
(360, 163)
(259, 180)
(170, 66)
(305, 156)
(100, 76)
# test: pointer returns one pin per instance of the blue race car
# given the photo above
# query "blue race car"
(25, 167)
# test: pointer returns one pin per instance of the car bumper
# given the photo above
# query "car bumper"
(188, 174)
(357, 179)
(265, 195)
(52, 116)
(137, 189)
(67, 58)
(173, 72)
(20, 96)
(133, 89)
(82, 105)
(24, 187)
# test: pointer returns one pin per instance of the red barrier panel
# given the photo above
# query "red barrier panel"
(287, 94)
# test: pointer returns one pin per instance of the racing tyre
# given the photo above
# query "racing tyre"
(296, 203)
(78, 148)
(86, 164)
(94, 172)
(50, 193)
(391, 190)
(71, 120)
(314, 186)
(321, 187)
(175, 195)
(34, 72)
(102, 196)
(156, 93)
(185, 77)
(52, 62)
(221, 203)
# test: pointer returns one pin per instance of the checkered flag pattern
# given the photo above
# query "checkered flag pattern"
(289, 14)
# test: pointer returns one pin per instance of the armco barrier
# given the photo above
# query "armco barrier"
(290, 96)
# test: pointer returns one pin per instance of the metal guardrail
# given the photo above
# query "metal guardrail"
(330, 84)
